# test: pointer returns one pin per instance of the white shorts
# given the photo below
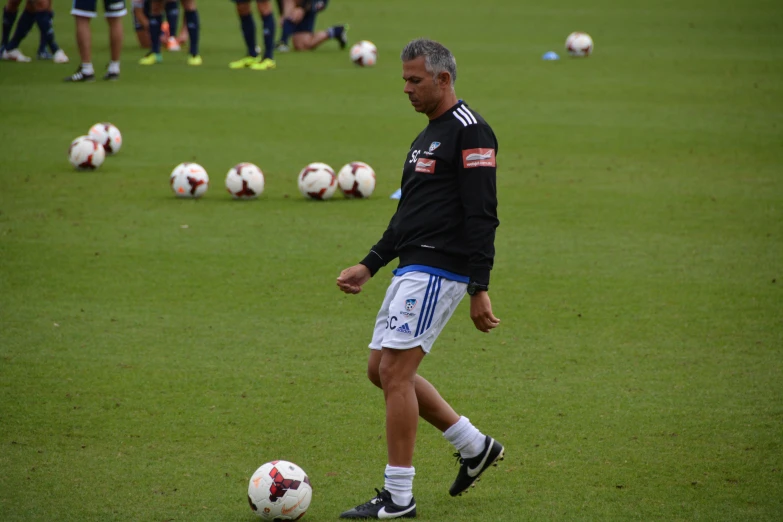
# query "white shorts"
(89, 8)
(416, 308)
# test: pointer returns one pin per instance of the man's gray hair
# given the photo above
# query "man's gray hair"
(437, 58)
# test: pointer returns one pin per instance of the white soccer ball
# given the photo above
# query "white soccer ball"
(107, 135)
(317, 181)
(356, 180)
(245, 181)
(579, 44)
(364, 53)
(279, 490)
(86, 154)
(189, 180)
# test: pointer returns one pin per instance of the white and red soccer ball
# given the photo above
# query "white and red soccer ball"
(189, 180)
(107, 135)
(356, 180)
(279, 490)
(245, 181)
(364, 53)
(317, 181)
(579, 44)
(86, 154)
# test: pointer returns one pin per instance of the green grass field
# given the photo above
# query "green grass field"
(154, 352)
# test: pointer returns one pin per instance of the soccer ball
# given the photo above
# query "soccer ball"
(279, 490)
(245, 181)
(189, 180)
(86, 154)
(317, 181)
(579, 44)
(356, 180)
(364, 54)
(107, 135)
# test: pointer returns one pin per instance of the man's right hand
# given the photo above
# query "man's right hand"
(351, 279)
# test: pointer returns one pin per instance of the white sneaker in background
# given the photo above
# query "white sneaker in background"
(15, 55)
(172, 44)
(60, 57)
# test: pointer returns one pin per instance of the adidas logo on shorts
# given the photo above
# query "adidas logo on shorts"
(404, 329)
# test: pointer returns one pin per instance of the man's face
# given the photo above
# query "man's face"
(422, 89)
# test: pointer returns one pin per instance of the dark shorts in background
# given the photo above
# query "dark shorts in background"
(307, 24)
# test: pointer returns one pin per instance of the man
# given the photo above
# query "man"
(169, 36)
(36, 12)
(299, 24)
(141, 22)
(155, 27)
(83, 11)
(47, 45)
(248, 25)
(443, 233)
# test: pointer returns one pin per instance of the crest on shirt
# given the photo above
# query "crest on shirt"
(410, 304)
(434, 145)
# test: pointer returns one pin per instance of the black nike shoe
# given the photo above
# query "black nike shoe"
(471, 469)
(342, 35)
(111, 76)
(79, 76)
(381, 507)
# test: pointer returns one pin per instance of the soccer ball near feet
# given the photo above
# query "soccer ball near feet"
(107, 135)
(245, 181)
(356, 180)
(364, 53)
(86, 154)
(189, 180)
(579, 44)
(279, 490)
(317, 181)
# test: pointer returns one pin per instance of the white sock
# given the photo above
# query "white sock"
(87, 68)
(399, 482)
(114, 67)
(466, 438)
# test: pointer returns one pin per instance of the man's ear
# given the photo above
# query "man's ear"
(444, 79)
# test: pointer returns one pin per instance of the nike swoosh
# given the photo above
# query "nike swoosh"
(424, 163)
(287, 510)
(475, 156)
(472, 472)
(384, 514)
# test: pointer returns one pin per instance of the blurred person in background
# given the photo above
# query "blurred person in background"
(37, 12)
(85, 10)
(299, 26)
(252, 60)
(192, 22)
(169, 36)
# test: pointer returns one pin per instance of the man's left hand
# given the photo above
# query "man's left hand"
(481, 312)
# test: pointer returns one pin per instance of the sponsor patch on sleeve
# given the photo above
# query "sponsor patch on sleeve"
(426, 165)
(472, 158)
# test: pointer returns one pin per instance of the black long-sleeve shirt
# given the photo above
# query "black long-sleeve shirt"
(447, 215)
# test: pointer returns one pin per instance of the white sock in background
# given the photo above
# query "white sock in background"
(114, 67)
(468, 440)
(399, 482)
(87, 68)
